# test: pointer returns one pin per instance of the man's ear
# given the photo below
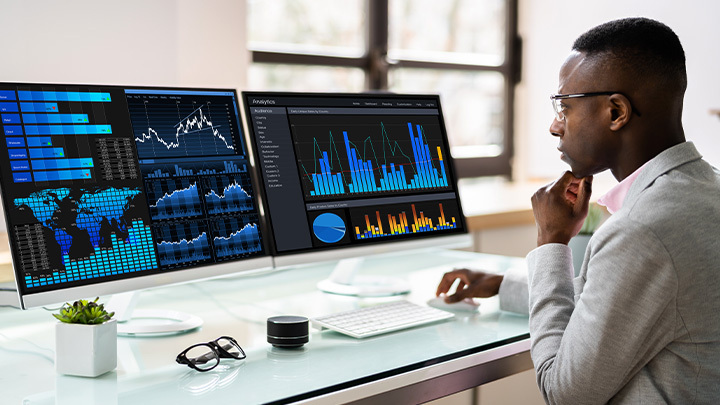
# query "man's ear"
(620, 111)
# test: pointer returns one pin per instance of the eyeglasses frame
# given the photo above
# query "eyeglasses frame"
(216, 349)
(560, 116)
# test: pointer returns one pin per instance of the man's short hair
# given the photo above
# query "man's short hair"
(646, 48)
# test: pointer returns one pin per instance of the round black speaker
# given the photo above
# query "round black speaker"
(288, 331)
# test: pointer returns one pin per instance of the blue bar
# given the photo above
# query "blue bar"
(11, 119)
(328, 173)
(55, 118)
(416, 155)
(424, 157)
(431, 168)
(402, 176)
(383, 180)
(67, 129)
(339, 183)
(324, 177)
(320, 184)
(360, 177)
(13, 130)
(63, 96)
(39, 107)
(22, 177)
(17, 153)
(20, 165)
(393, 180)
(15, 142)
(369, 176)
(7, 95)
(73, 163)
(39, 141)
(42, 153)
(418, 164)
(314, 180)
(74, 174)
(8, 107)
(353, 168)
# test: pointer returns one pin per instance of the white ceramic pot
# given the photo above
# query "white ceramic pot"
(85, 350)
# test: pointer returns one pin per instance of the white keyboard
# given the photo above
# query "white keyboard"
(382, 318)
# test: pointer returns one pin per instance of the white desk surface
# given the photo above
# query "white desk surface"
(331, 368)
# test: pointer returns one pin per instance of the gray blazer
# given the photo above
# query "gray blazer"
(641, 323)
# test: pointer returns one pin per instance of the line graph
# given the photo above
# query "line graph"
(179, 125)
(182, 243)
(227, 194)
(173, 198)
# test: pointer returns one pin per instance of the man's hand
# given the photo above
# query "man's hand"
(560, 208)
(472, 284)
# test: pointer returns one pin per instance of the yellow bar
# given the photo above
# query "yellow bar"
(439, 153)
(357, 231)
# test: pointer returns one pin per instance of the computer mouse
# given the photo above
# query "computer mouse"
(466, 305)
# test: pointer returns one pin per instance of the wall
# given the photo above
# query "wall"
(549, 27)
(133, 42)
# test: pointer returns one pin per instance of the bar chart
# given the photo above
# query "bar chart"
(403, 219)
(377, 156)
(35, 123)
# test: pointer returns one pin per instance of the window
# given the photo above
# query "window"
(465, 50)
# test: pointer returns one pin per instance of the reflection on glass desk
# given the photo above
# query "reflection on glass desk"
(408, 366)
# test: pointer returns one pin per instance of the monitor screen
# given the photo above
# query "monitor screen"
(109, 188)
(353, 170)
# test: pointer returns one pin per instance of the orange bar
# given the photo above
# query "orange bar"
(430, 223)
(439, 153)
(379, 222)
(423, 221)
(405, 224)
(391, 222)
(442, 214)
(367, 221)
(414, 214)
(357, 231)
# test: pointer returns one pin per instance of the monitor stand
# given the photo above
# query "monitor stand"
(148, 322)
(344, 280)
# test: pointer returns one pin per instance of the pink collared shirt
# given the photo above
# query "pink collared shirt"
(615, 198)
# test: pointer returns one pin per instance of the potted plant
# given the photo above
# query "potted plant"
(579, 243)
(85, 339)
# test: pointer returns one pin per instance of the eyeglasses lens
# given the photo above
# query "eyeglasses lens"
(231, 347)
(202, 357)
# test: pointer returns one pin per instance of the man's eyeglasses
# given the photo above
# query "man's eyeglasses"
(206, 356)
(559, 108)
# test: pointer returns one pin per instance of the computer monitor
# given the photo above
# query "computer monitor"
(108, 189)
(346, 175)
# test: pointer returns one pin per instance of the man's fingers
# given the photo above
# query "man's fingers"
(449, 278)
(584, 193)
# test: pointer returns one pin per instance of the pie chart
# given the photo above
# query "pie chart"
(329, 228)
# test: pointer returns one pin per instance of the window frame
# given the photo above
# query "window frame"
(376, 65)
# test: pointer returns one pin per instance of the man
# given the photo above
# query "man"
(641, 323)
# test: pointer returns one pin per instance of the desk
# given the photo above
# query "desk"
(411, 366)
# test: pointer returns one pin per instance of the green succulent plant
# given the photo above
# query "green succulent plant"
(84, 312)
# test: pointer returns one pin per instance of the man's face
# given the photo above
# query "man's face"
(584, 140)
